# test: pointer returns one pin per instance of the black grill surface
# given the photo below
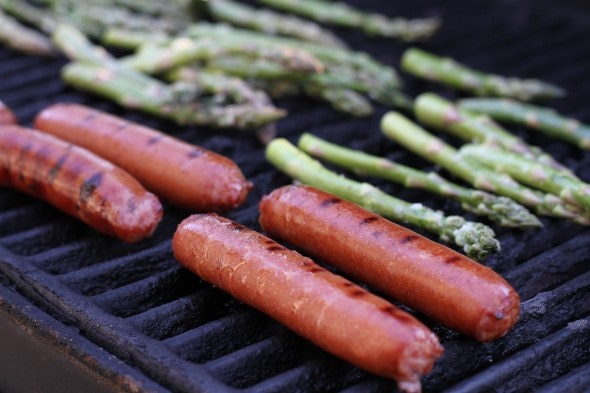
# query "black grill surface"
(136, 321)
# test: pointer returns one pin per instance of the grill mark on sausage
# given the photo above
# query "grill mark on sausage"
(237, 227)
(453, 259)
(369, 220)
(88, 187)
(408, 239)
(21, 161)
(154, 140)
(88, 118)
(275, 248)
(315, 269)
(357, 292)
(55, 169)
(194, 153)
(330, 202)
(347, 284)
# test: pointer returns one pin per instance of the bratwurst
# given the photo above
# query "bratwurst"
(77, 182)
(182, 174)
(325, 308)
(433, 279)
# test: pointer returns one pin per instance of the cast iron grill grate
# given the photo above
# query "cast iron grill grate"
(182, 335)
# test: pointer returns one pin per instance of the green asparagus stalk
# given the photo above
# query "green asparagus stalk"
(31, 15)
(341, 99)
(477, 240)
(373, 24)
(182, 51)
(343, 67)
(123, 38)
(181, 102)
(527, 171)
(22, 38)
(270, 22)
(497, 208)
(538, 118)
(447, 71)
(97, 71)
(419, 141)
(221, 86)
(437, 112)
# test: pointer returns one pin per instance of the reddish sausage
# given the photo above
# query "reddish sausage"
(6, 115)
(185, 175)
(77, 182)
(327, 309)
(437, 281)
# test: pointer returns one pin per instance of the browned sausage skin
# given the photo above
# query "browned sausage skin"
(439, 282)
(6, 115)
(77, 182)
(183, 174)
(327, 309)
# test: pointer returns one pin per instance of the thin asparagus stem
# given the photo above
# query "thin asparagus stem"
(343, 67)
(477, 240)
(22, 38)
(270, 22)
(97, 71)
(437, 112)
(373, 24)
(182, 51)
(535, 117)
(422, 143)
(530, 172)
(449, 72)
(30, 14)
(503, 210)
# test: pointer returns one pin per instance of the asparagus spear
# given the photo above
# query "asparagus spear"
(183, 50)
(453, 74)
(29, 14)
(419, 141)
(19, 37)
(434, 111)
(477, 240)
(500, 209)
(373, 24)
(98, 72)
(343, 67)
(538, 118)
(527, 171)
(267, 21)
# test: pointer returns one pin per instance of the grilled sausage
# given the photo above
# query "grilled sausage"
(183, 174)
(437, 281)
(6, 115)
(327, 309)
(77, 182)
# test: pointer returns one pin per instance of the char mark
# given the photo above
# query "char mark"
(409, 238)
(453, 259)
(330, 202)
(369, 220)
(89, 186)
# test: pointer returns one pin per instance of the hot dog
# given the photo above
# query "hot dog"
(327, 309)
(77, 182)
(439, 282)
(6, 115)
(182, 174)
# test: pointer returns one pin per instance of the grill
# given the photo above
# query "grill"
(83, 312)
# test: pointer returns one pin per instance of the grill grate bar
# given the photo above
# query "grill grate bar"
(222, 336)
(181, 315)
(150, 292)
(270, 354)
(537, 364)
(541, 316)
(114, 273)
(576, 381)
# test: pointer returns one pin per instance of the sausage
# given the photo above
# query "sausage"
(327, 309)
(6, 115)
(433, 279)
(77, 182)
(182, 174)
